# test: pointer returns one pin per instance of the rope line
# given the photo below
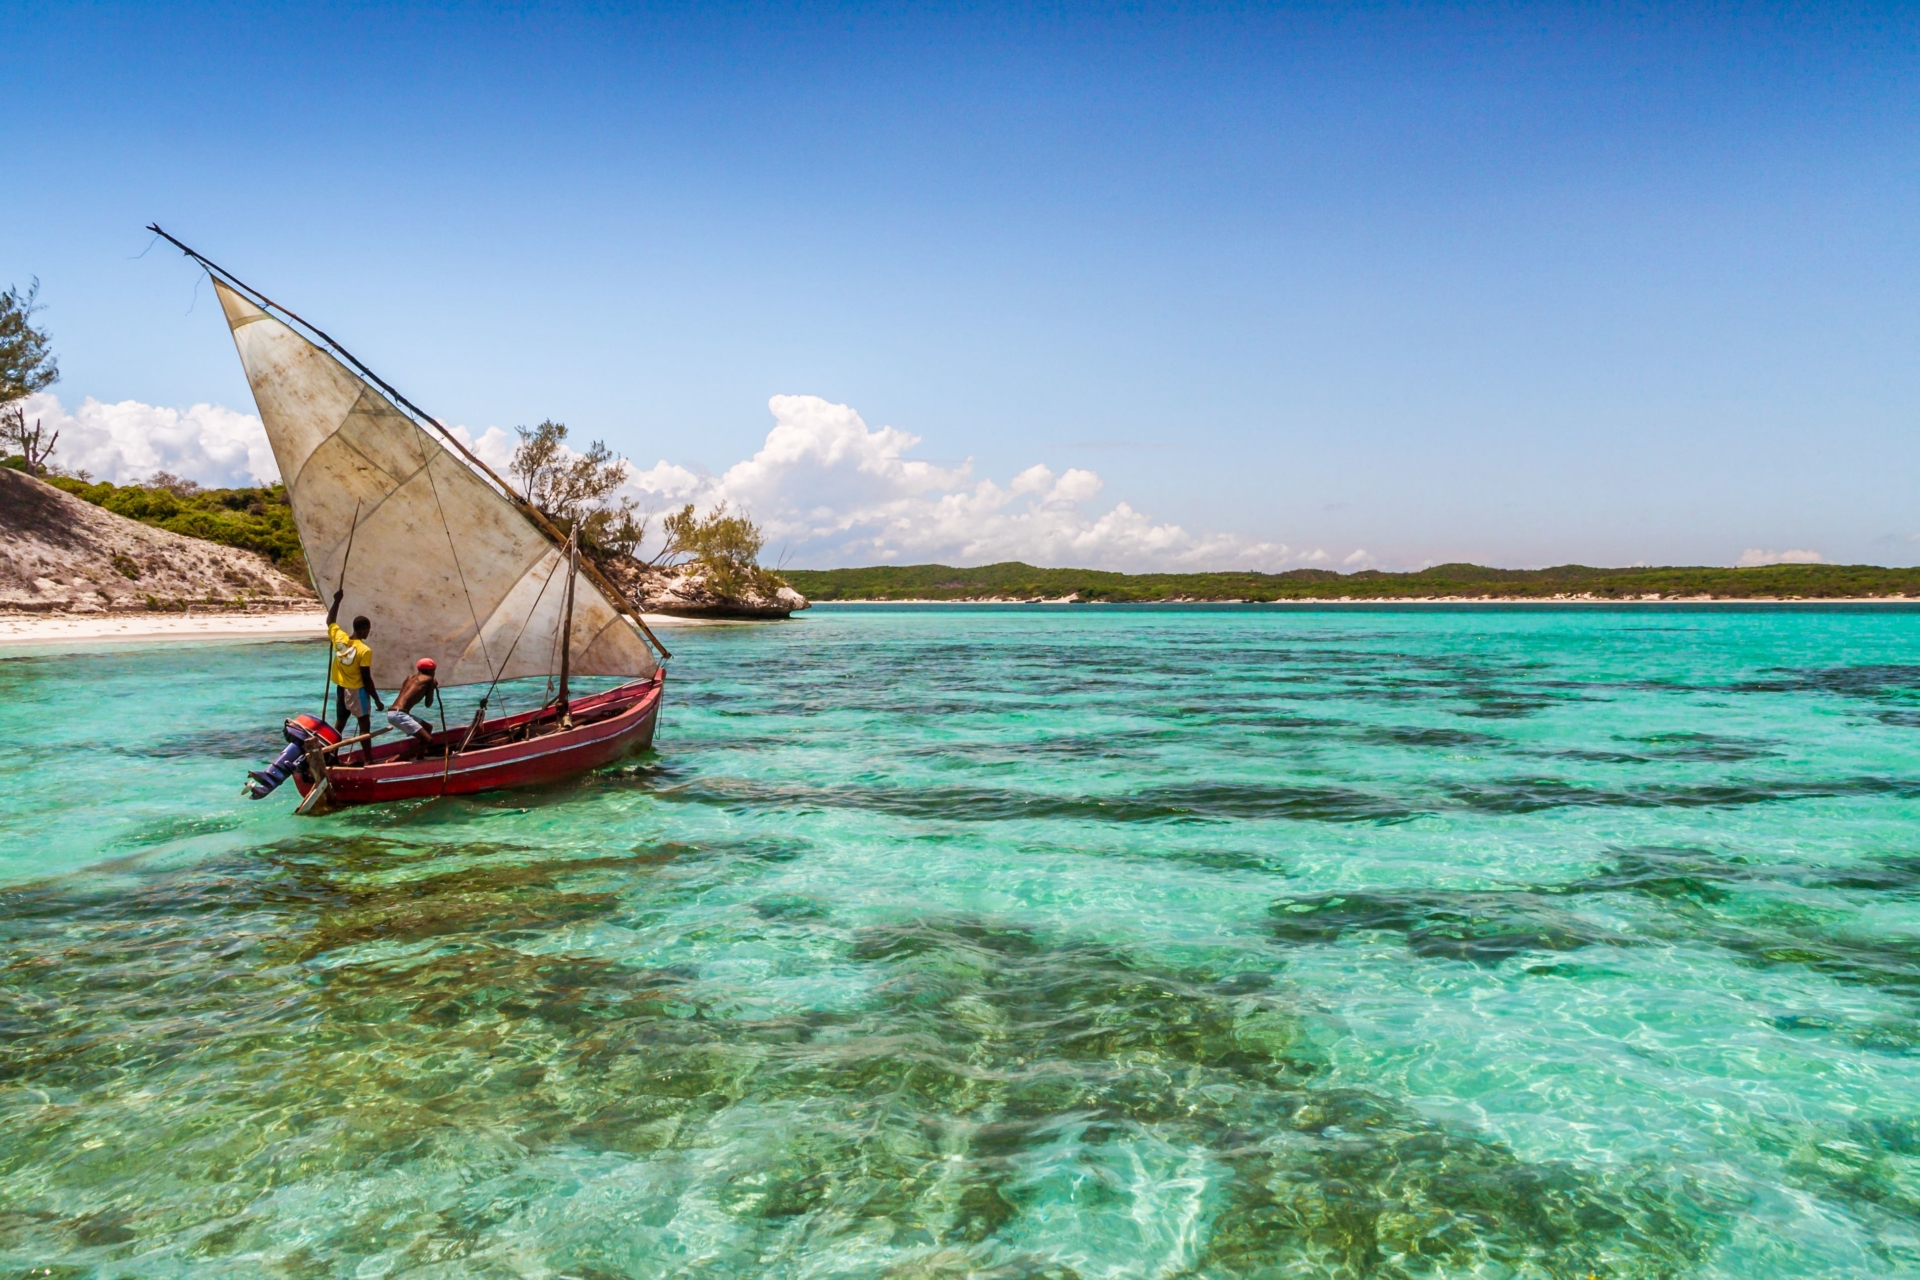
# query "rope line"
(524, 623)
(447, 528)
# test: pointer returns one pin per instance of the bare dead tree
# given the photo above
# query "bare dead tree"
(26, 366)
(18, 439)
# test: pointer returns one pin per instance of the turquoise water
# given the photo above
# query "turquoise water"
(997, 942)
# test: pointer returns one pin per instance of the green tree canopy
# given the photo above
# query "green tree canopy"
(26, 355)
(575, 490)
(726, 542)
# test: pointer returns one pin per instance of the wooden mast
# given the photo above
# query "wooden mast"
(566, 628)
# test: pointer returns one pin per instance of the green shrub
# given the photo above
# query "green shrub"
(256, 519)
(135, 503)
(727, 544)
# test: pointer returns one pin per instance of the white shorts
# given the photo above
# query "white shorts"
(406, 723)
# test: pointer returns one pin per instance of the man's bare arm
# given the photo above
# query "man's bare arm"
(366, 682)
(333, 614)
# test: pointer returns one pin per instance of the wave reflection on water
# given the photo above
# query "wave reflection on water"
(998, 943)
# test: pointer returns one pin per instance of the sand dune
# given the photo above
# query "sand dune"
(61, 555)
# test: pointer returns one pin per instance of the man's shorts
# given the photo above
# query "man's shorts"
(406, 723)
(357, 702)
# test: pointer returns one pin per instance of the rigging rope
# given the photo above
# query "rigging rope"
(553, 660)
(488, 695)
(478, 633)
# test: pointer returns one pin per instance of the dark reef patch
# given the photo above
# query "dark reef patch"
(1534, 795)
(1702, 891)
(1872, 681)
(1897, 874)
(1671, 874)
(1682, 748)
(1886, 1036)
(1191, 802)
(259, 742)
(1702, 748)
(1890, 964)
(1415, 736)
(178, 827)
(1485, 928)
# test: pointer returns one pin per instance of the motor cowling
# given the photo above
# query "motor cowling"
(302, 727)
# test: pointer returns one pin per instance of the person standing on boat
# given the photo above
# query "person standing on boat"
(418, 690)
(352, 675)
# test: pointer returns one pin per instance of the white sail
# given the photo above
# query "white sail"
(442, 565)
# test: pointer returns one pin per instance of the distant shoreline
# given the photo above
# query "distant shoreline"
(1012, 581)
(1325, 601)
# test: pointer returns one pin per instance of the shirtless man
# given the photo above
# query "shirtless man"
(418, 690)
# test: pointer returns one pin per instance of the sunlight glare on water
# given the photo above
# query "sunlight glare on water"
(1037, 942)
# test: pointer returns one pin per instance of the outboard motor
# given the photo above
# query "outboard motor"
(293, 759)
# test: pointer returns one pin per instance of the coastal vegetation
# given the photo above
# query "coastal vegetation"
(1012, 580)
(253, 519)
(725, 543)
(575, 490)
(27, 365)
(705, 565)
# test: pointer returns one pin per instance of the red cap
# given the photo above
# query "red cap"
(425, 664)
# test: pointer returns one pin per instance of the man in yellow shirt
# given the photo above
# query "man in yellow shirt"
(352, 675)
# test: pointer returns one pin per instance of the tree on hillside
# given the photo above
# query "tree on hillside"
(26, 355)
(173, 484)
(26, 445)
(574, 490)
(26, 366)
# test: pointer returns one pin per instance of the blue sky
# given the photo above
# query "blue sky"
(1379, 284)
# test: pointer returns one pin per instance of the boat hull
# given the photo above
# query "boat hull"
(606, 727)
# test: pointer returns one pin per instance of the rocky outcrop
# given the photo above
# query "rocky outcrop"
(689, 591)
(59, 554)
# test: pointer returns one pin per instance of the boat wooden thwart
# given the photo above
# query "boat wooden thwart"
(451, 564)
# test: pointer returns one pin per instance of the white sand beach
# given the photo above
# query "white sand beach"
(41, 631)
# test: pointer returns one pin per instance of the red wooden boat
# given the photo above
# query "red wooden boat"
(512, 751)
(455, 565)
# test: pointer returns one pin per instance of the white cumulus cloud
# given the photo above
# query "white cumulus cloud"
(827, 488)
(1754, 557)
(831, 490)
(129, 441)
(492, 446)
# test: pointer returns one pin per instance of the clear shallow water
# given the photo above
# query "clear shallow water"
(943, 942)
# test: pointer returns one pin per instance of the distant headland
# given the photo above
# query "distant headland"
(1014, 581)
